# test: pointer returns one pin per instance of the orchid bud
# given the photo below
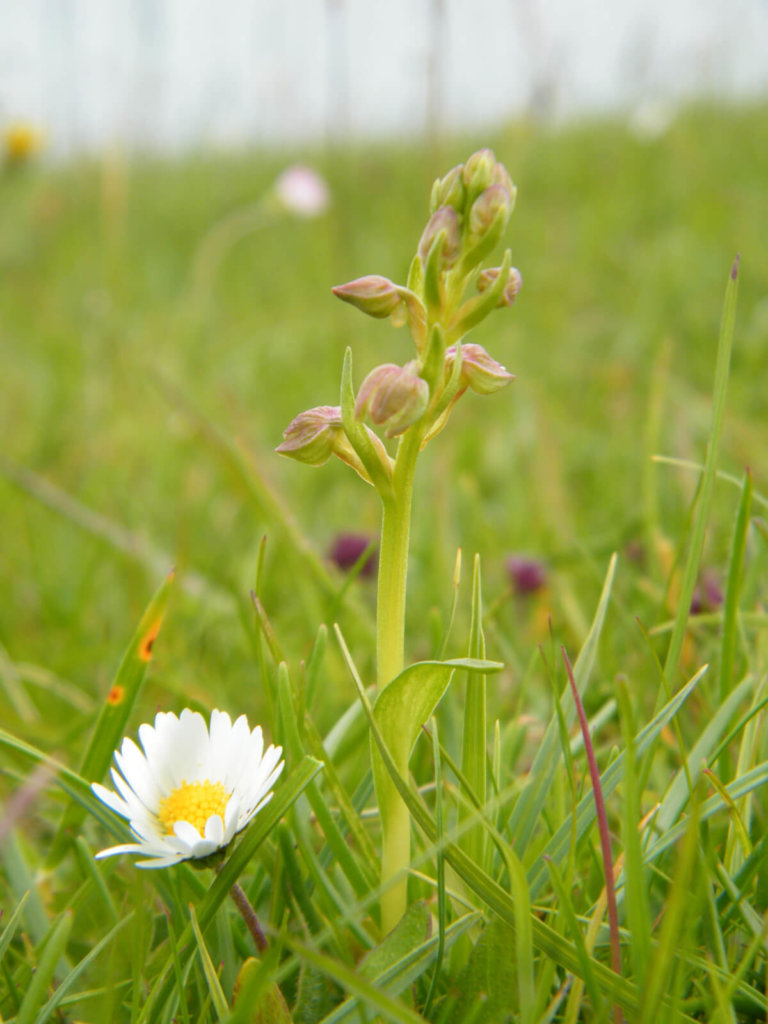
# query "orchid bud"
(513, 286)
(501, 177)
(445, 220)
(449, 191)
(480, 171)
(377, 296)
(302, 191)
(479, 371)
(312, 436)
(393, 396)
(491, 206)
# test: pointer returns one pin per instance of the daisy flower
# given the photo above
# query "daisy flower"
(192, 788)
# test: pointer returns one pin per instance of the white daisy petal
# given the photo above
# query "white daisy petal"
(112, 851)
(204, 848)
(161, 862)
(111, 799)
(135, 770)
(187, 833)
(214, 830)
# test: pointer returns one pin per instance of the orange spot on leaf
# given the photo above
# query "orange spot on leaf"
(116, 694)
(148, 640)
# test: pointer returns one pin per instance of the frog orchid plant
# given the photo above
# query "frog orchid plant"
(448, 292)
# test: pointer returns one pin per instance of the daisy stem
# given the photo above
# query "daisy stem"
(248, 914)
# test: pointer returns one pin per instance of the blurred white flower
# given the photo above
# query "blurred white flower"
(303, 191)
(192, 789)
(650, 120)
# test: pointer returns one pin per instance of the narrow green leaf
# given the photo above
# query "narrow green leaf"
(639, 915)
(742, 786)
(54, 948)
(358, 435)
(57, 999)
(526, 985)
(676, 908)
(531, 801)
(474, 754)
(115, 712)
(412, 965)
(565, 906)
(678, 792)
(292, 739)
(559, 845)
(218, 998)
(722, 371)
(21, 882)
(11, 683)
(12, 924)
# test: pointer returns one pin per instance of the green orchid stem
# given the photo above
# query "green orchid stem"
(390, 661)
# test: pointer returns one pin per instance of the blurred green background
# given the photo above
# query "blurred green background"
(125, 384)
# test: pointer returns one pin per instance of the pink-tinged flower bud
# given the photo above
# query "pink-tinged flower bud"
(313, 435)
(513, 286)
(450, 191)
(501, 177)
(492, 204)
(393, 396)
(480, 170)
(302, 191)
(377, 296)
(443, 220)
(479, 371)
(526, 574)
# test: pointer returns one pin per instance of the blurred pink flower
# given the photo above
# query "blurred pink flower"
(526, 573)
(303, 191)
(349, 547)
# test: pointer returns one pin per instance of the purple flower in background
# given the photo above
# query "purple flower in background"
(348, 547)
(708, 594)
(527, 574)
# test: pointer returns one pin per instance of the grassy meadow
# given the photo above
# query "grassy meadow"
(143, 391)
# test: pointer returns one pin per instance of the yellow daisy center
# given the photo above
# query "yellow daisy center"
(194, 802)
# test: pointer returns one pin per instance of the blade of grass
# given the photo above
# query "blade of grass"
(115, 712)
(53, 951)
(218, 998)
(602, 824)
(559, 845)
(722, 371)
(442, 902)
(638, 909)
(47, 1011)
(473, 753)
(675, 913)
(565, 907)
(531, 801)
